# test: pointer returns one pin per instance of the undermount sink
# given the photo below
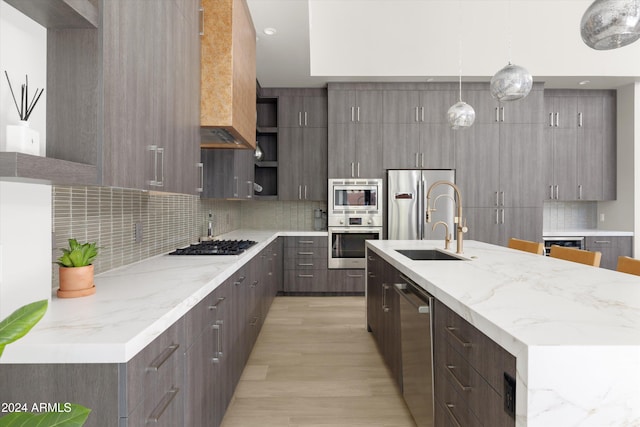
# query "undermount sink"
(429, 255)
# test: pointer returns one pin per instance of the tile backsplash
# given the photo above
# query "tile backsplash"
(109, 216)
(570, 215)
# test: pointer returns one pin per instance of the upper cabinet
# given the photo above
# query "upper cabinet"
(120, 97)
(58, 14)
(228, 75)
(580, 133)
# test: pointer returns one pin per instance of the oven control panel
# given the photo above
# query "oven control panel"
(355, 221)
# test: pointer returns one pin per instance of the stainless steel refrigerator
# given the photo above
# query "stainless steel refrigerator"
(406, 204)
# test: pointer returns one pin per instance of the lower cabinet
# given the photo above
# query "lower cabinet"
(611, 248)
(186, 376)
(474, 378)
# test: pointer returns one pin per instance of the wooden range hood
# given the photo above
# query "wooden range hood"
(228, 76)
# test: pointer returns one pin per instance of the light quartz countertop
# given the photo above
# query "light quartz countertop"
(132, 306)
(586, 232)
(574, 329)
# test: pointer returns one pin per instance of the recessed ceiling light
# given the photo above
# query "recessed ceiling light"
(269, 31)
(584, 82)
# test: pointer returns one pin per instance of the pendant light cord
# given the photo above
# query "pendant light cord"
(460, 49)
(509, 31)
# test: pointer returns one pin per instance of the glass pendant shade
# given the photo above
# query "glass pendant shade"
(511, 83)
(610, 24)
(461, 115)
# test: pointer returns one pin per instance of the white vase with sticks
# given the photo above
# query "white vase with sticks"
(21, 138)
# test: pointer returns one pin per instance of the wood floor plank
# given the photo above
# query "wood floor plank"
(315, 365)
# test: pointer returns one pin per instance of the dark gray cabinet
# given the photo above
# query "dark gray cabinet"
(497, 225)
(469, 374)
(355, 132)
(346, 281)
(302, 144)
(305, 264)
(611, 248)
(228, 173)
(581, 139)
(128, 88)
(415, 129)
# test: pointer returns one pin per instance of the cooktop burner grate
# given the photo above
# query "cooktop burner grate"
(216, 247)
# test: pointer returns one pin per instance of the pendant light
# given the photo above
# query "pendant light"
(512, 82)
(258, 154)
(610, 24)
(460, 115)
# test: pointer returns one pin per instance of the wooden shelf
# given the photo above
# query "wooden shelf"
(59, 14)
(262, 129)
(272, 164)
(27, 168)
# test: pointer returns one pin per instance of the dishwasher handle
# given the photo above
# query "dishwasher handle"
(405, 291)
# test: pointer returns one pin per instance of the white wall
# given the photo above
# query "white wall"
(25, 209)
(23, 51)
(25, 245)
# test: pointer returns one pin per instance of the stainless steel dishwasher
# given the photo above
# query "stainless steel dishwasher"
(417, 350)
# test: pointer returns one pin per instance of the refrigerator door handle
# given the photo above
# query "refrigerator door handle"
(421, 203)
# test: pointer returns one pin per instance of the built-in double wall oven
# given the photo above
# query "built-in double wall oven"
(355, 215)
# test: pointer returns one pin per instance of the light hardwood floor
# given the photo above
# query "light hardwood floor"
(315, 364)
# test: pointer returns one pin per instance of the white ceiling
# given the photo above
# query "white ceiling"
(318, 41)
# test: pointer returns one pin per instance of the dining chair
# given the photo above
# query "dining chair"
(628, 265)
(526, 245)
(576, 255)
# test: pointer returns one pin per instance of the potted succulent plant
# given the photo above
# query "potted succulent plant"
(76, 269)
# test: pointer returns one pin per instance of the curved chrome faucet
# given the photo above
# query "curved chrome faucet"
(461, 227)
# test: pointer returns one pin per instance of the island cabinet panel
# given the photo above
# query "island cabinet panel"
(475, 367)
(346, 281)
(383, 312)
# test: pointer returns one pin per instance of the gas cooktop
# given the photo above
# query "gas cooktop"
(216, 247)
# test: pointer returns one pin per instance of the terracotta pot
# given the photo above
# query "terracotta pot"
(76, 282)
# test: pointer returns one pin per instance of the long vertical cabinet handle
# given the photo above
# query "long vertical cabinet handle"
(305, 191)
(385, 308)
(353, 170)
(557, 119)
(502, 216)
(417, 164)
(422, 113)
(421, 160)
(550, 120)
(420, 185)
(250, 188)
(497, 114)
(300, 191)
(551, 192)
(154, 181)
(502, 114)
(161, 182)
(358, 114)
(305, 118)
(557, 192)
(358, 170)
(417, 119)
(168, 397)
(497, 215)
(353, 117)
(496, 193)
(200, 166)
(237, 191)
(579, 120)
(579, 191)
(299, 118)
(201, 11)
(502, 198)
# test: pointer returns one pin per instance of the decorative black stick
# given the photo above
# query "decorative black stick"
(12, 94)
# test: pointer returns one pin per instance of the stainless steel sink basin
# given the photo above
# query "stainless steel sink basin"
(428, 255)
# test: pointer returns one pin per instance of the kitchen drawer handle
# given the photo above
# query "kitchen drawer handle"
(602, 241)
(451, 330)
(308, 264)
(200, 166)
(355, 276)
(579, 120)
(306, 253)
(240, 280)
(550, 119)
(449, 407)
(163, 405)
(305, 242)
(305, 275)
(254, 284)
(164, 356)
(371, 258)
(218, 354)
(214, 306)
(254, 322)
(463, 387)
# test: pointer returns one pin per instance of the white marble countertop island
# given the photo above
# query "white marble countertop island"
(574, 329)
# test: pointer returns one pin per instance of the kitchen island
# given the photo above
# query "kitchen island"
(574, 330)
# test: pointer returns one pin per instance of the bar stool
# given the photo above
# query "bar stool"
(576, 255)
(526, 245)
(628, 265)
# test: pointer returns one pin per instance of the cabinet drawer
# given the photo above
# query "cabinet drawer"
(307, 253)
(595, 242)
(205, 313)
(306, 241)
(302, 263)
(165, 411)
(488, 358)
(483, 401)
(350, 280)
(305, 281)
(158, 364)
(450, 406)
